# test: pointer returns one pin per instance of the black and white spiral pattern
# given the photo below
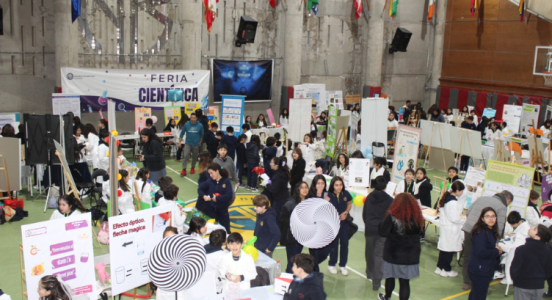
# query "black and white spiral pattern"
(314, 223)
(177, 262)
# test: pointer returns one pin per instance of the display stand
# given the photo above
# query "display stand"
(430, 146)
(22, 268)
(500, 152)
(462, 133)
(5, 169)
(537, 158)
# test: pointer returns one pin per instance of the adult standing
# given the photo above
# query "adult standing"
(402, 227)
(194, 138)
(377, 204)
(301, 190)
(499, 203)
(152, 155)
(484, 256)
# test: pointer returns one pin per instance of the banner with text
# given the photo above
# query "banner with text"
(406, 151)
(251, 79)
(64, 103)
(63, 248)
(232, 113)
(133, 88)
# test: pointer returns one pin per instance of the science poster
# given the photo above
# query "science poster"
(407, 144)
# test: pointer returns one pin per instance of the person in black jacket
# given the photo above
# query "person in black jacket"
(152, 155)
(266, 230)
(465, 160)
(307, 284)
(379, 169)
(423, 187)
(401, 227)
(269, 152)
(342, 201)
(241, 150)
(212, 141)
(253, 159)
(230, 141)
(277, 188)
(376, 205)
(532, 264)
(204, 122)
(298, 169)
(301, 190)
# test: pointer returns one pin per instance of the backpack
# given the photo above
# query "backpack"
(8, 213)
(103, 233)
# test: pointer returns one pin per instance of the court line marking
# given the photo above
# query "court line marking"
(465, 292)
(181, 176)
(364, 276)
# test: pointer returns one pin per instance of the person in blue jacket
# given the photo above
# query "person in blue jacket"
(266, 227)
(269, 152)
(485, 253)
(203, 206)
(217, 191)
(194, 139)
(341, 200)
(230, 141)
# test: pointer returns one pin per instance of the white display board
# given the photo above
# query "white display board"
(61, 247)
(334, 98)
(359, 172)
(10, 118)
(64, 103)
(374, 113)
(308, 90)
(512, 116)
(529, 114)
(132, 237)
(299, 118)
(435, 133)
(407, 144)
(469, 145)
(473, 181)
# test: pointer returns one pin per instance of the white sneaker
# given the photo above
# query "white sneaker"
(333, 270)
(498, 275)
(449, 274)
(438, 271)
(505, 282)
(344, 271)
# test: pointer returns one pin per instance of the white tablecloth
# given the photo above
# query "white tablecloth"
(256, 293)
(268, 131)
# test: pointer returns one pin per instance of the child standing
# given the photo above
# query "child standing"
(307, 284)
(126, 201)
(277, 189)
(230, 141)
(298, 168)
(143, 188)
(269, 152)
(237, 266)
(215, 254)
(170, 196)
(101, 151)
(341, 200)
(241, 150)
(266, 227)
(226, 162)
(212, 141)
(198, 228)
(201, 205)
(253, 160)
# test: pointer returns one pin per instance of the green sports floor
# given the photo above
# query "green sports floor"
(355, 286)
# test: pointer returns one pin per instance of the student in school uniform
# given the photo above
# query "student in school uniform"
(464, 159)
(170, 196)
(287, 239)
(341, 200)
(226, 162)
(215, 251)
(164, 182)
(379, 169)
(546, 127)
(451, 237)
(218, 192)
(230, 141)
(533, 214)
(143, 188)
(261, 122)
(102, 160)
(269, 152)
(306, 284)
(126, 201)
(423, 187)
(253, 159)
(241, 158)
(68, 205)
(297, 169)
(406, 185)
(341, 169)
(266, 226)
(391, 121)
(202, 205)
(212, 141)
(247, 131)
(284, 118)
(237, 266)
(307, 148)
(277, 189)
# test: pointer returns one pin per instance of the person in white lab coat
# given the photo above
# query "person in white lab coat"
(451, 236)
(237, 267)
(391, 121)
(126, 200)
(493, 134)
(143, 188)
(91, 143)
(516, 232)
(215, 253)
(68, 205)
(533, 214)
(341, 169)
(100, 154)
(170, 194)
(307, 148)
(284, 118)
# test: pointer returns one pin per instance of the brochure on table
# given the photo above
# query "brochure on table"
(512, 116)
(232, 113)
(529, 114)
(132, 237)
(140, 116)
(172, 112)
(64, 103)
(517, 179)
(63, 248)
(407, 144)
(473, 181)
(359, 172)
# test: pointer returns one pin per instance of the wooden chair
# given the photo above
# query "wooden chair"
(391, 133)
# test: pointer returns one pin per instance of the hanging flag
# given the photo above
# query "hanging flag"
(313, 4)
(210, 12)
(393, 8)
(272, 3)
(75, 9)
(430, 9)
(473, 7)
(521, 9)
(358, 8)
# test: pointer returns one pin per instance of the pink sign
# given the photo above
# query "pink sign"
(76, 225)
(82, 290)
(63, 261)
(61, 248)
(270, 116)
(67, 274)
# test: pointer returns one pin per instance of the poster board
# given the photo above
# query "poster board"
(232, 113)
(359, 172)
(374, 113)
(436, 134)
(61, 247)
(529, 114)
(354, 132)
(270, 116)
(214, 114)
(473, 181)
(172, 112)
(352, 99)
(64, 103)
(470, 145)
(140, 116)
(333, 97)
(189, 108)
(546, 187)
(512, 116)
(10, 149)
(10, 118)
(514, 178)
(407, 144)
(489, 113)
(306, 91)
(331, 136)
(299, 118)
(132, 237)
(436, 159)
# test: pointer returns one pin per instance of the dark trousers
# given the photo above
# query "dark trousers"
(404, 288)
(374, 258)
(251, 176)
(179, 153)
(324, 164)
(464, 162)
(277, 205)
(241, 170)
(480, 286)
(291, 251)
(341, 241)
(223, 218)
(466, 257)
(320, 256)
(445, 258)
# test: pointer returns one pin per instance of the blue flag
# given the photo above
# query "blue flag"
(75, 9)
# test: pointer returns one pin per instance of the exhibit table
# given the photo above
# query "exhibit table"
(137, 136)
(268, 131)
(256, 293)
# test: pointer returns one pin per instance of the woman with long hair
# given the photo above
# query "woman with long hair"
(51, 288)
(435, 115)
(68, 205)
(297, 169)
(261, 121)
(485, 253)
(284, 118)
(401, 227)
(217, 191)
(203, 206)
(301, 190)
(102, 125)
(494, 134)
(177, 129)
(482, 127)
(92, 142)
(307, 148)
(423, 187)
(277, 189)
(341, 199)
(318, 190)
(341, 169)
(143, 188)
(198, 228)
(152, 155)
(248, 121)
(451, 236)
(406, 185)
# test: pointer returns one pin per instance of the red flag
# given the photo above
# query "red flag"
(273, 3)
(358, 8)
(210, 12)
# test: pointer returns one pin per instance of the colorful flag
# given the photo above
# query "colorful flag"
(358, 8)
(313, 4)
(393, 8)
(75, 9)
(521, 9)
(473, 7)
(430, 10)
(272, 3)
(210, 12)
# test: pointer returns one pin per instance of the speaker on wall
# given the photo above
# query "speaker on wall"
(400, 40)
(246, 31)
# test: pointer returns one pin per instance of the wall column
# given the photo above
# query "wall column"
(374, 49)
(190, 42)
(67, 38)
(293, 36)
(438, 49)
